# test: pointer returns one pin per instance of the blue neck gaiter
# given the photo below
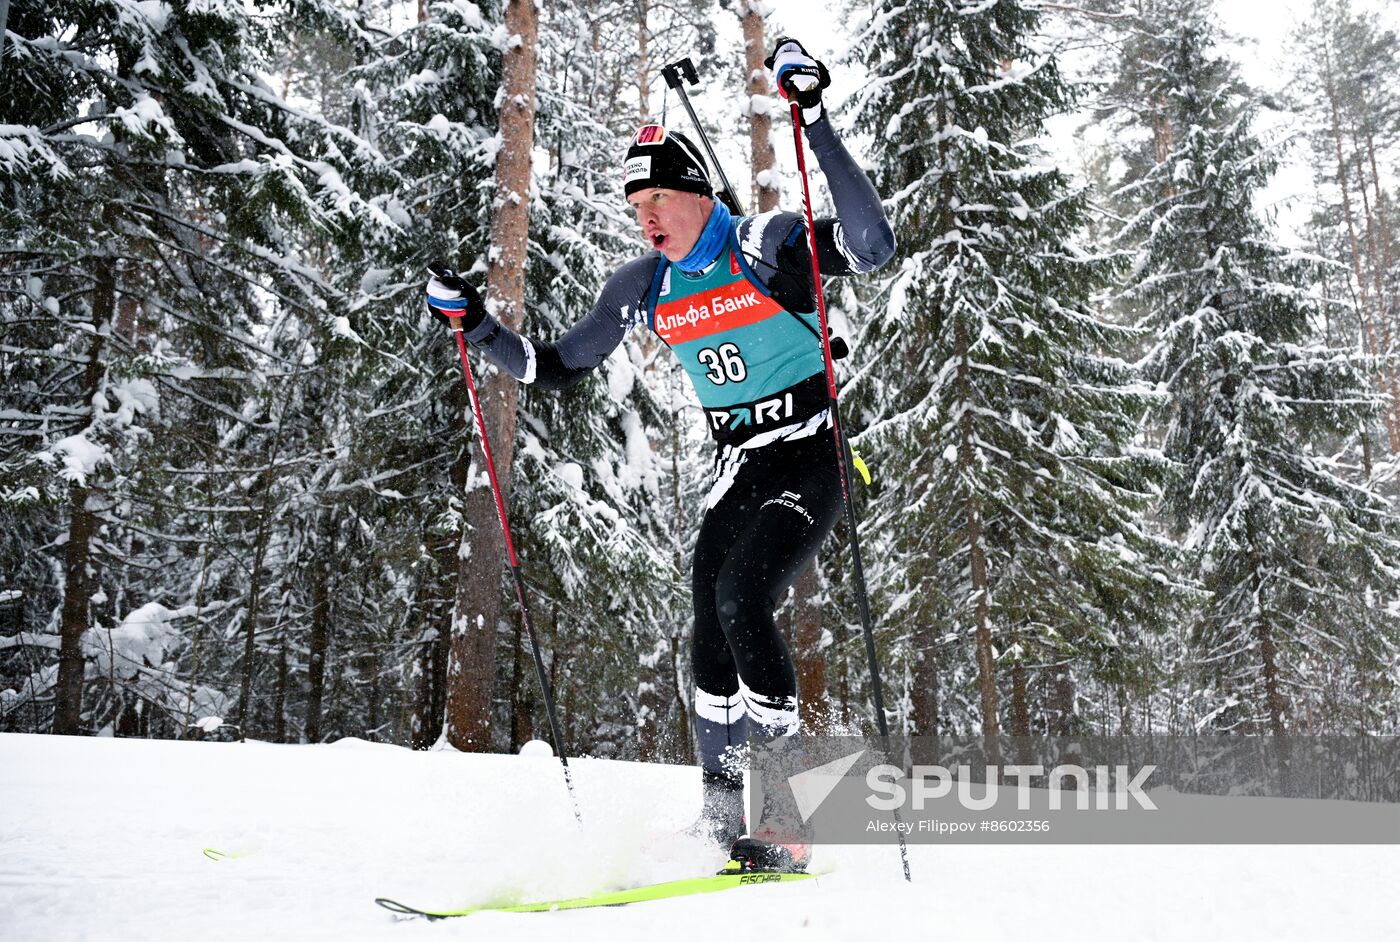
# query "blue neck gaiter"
(712, 239)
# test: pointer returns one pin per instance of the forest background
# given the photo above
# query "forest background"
(1131, 406)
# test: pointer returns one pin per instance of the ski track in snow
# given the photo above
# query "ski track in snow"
(101, 839)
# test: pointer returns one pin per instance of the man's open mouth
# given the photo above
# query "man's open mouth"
(657, 239)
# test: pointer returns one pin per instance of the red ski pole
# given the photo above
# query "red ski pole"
(843, 457)
(514, 562)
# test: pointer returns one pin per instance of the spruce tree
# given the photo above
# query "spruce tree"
(155, 187)
(1011, 532)
(1341, 60)
(1295, 550)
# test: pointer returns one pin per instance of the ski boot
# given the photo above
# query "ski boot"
(767, 851)
(721, 820)
(781, 840)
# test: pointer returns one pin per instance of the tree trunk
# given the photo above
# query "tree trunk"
(196, 652)
(972, 509)
(977, 560)
(559, 655)
(843, 679)
(376, 673)
(438, 599)
(279, 696)
(471, 662)
(1378, 262)
(1379, 346)
(77, 554)
(649, 701)
(1125, 710)
(68, 690)
(127, 722)
(986, 658)
(643, 61)
(1062, 697)
(686, 752)
(472, 665)
(683, 707)
(522, 727)
(268, 483)
(250, 631)
(765, 191)
(426, 724)
(320, 631)
(1273, 692)
(811, 658)
(1020, 702)
(924, 697)
(1387, 238)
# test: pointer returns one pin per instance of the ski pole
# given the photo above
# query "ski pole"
(513, 560)
(843, 462)
(673, 74)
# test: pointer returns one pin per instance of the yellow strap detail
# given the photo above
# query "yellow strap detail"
(860, 466)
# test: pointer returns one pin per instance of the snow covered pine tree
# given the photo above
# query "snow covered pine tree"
(733, 299)
(1296, 557)
(158, 195)
(1024, 493)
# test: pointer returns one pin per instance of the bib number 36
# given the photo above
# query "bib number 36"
(723, 364)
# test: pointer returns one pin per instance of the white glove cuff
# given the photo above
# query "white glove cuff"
(437, 289)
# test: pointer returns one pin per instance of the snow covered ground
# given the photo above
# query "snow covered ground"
(102, 838)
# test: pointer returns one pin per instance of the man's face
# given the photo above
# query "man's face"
(671, 220)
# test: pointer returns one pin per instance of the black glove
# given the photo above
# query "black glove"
(451, 296)
(839, 349)
(800, 77)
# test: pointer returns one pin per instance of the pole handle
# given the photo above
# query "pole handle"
(681, 69)
(725, 193)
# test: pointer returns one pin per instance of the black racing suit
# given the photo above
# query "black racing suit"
(776, 491)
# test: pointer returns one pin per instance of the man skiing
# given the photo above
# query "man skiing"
(733, 298)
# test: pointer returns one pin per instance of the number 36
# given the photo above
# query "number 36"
(724, 364)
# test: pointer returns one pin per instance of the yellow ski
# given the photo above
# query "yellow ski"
(724, 880)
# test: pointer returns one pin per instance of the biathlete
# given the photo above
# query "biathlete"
(733, 299)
